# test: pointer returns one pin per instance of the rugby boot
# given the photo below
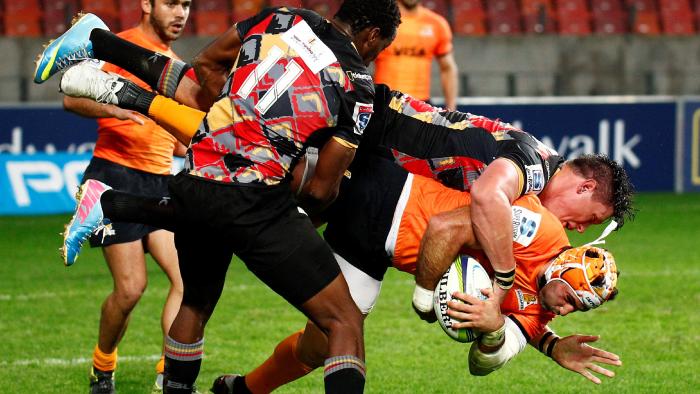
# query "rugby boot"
(101, 382)
(71, 47)
(86, 80)
(87, 219)
(229, 384)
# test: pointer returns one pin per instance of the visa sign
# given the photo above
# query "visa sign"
(639, 136)
(40, 183)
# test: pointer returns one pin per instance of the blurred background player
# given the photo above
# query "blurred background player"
(405, 65)
(135, 154)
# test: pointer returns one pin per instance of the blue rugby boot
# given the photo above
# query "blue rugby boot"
(71, 47)
(87, 219)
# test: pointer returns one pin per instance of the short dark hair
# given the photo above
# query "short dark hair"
(360, 14)
(613, 184)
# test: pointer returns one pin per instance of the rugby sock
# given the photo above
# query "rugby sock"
(180, 120)
(124, 207)
(280, 368)
(160, 72)
(105, 362)
(182, 362)
(134, 97)
(344, 374)
(160, 365)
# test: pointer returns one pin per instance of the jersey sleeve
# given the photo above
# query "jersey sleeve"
(444, 44)
(535, 161)
(356, 111)
(531, 325)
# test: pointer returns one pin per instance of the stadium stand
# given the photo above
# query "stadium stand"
(468, 17)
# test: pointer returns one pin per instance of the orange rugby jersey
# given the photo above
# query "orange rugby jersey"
(405, 64)
(538, 237)
(145, 147)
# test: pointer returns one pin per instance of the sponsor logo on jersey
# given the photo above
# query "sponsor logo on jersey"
(352, 75)
(525, 299)
(361, 115)
(309, 47)
(534, 177)
(426, 31)
(525, 225)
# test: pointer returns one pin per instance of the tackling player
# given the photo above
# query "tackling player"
(378, 222)
(295, 75)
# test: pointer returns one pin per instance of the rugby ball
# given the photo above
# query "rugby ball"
(465, 275)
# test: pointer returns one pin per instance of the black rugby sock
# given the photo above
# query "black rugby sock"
(124, 207)
(158, 71)
(344, 374)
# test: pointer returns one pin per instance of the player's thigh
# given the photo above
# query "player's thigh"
(203, 258)
(161, 245)
(127, 263)
(289, 256)
(364, 289)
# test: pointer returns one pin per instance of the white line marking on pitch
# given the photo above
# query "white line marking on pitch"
(72, 361)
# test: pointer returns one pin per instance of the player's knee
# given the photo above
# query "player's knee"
(129, 294)
(346, 322)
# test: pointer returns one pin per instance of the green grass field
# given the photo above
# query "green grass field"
(49, 316)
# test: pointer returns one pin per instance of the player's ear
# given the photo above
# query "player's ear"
(146, 6)
(587, 185)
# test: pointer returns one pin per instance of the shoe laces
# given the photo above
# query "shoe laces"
(106, 229)
(81, 53)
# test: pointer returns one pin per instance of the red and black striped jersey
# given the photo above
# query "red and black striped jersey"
(296, 77)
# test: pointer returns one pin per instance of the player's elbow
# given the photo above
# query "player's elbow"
(451, 227)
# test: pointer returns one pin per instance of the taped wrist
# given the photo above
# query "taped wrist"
(547, 342)
(495, 338)
(423, 299)
(504, 280)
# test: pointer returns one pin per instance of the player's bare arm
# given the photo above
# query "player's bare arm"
(492, 195)
(215, 62)
(333, 160)
(447, 233)
(448, 80)
(574, 353)
(92, 109)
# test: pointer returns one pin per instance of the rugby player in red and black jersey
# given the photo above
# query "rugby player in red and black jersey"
(297, 75)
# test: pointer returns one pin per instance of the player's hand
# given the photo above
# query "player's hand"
(485, 315)
(125, 114)
(574, 354)
(429, 317)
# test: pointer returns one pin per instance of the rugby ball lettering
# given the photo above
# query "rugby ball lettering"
(465, 275)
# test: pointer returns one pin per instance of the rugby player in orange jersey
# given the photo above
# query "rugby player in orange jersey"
(134, 154)
(424, 35)
(378, 221)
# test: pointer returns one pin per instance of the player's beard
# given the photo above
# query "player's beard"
(163, 28)
(410, 4)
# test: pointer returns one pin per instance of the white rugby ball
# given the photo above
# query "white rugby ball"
(465, 275)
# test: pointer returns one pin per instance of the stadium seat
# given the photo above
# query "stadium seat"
(605, 6)
(211, 23)
(504, 23)
(129, 17)
(677, 17)
(469, 25)
(244, 9)
(22, 8)
(54, 22)
(641, 5)
(535, 7)
(539, 24)
(211, 5)
(20, 25)
(69, 7)
(646, 22)
(612, 22)
(100, 7)
(573, 17)
(441, 7)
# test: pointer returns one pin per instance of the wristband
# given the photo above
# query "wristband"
(504, 280)
(495, 338)
(423, 299)
(550, 348)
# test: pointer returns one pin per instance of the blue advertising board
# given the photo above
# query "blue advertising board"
(638, 135)
(41, 183)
